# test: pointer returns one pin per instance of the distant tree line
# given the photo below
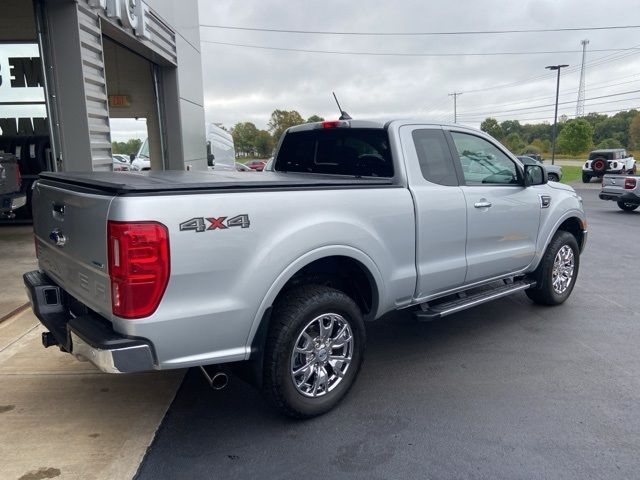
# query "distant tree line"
(579, 135)
(128, 147)
(252, 142)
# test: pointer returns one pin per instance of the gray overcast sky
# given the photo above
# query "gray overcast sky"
(245, 84)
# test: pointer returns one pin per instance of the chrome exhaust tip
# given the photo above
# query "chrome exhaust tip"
(218, 381)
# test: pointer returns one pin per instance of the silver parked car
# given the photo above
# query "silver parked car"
(554, 172)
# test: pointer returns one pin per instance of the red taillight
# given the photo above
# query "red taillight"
(334, 124)
(138, 266)
(18, 177)
(629, 183)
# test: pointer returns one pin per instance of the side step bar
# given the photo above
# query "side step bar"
(434, 312)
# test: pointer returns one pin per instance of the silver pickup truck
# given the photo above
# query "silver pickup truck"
(622, 189)
(279, 271)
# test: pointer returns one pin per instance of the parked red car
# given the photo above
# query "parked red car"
(257, 165)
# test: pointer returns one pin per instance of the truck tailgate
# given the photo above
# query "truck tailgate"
(70, 229)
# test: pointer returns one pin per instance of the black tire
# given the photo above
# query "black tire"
(544, 293)
(553, 177)
(628, 207)
(586, 178)
(291, 314)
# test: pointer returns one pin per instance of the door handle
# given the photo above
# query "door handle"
(483, 204)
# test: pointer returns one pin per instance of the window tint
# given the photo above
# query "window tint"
(434, 156)
(341, 151)
(483, 163)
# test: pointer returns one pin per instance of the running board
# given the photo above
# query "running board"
(429, 313)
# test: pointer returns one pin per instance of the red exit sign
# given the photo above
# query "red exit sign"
(119, 101)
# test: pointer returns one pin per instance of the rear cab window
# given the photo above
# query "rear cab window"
(359, 152)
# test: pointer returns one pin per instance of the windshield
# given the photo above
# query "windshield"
(360, 152)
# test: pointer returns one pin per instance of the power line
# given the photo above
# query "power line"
(567, 107)
(595, 62)
(480, 113)
(409, 54)
(395, 34)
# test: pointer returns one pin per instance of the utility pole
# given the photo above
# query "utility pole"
(555, 117)
(455, 105)
(581, 93)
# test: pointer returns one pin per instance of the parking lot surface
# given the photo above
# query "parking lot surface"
(507, 390)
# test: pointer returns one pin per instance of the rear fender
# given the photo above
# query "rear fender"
(262, 316)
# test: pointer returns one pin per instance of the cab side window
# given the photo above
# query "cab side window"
(483, 163)
(434, 156)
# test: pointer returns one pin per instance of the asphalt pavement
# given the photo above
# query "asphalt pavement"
(507, 390)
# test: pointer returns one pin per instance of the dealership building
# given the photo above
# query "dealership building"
(70, 68)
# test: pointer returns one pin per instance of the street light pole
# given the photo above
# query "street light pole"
(555, 117)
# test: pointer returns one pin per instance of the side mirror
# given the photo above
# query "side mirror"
(211, 160)
(132, 157)
(534, 175)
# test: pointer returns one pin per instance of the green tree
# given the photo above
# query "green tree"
(127, 148)
(634, 133)
(263, 143)
(511, 126)
(531, 148)
(281, 120)
(575, 137)
(610, 143)
(514, 142)
(492, 127)
(244, 138)
(314, 119)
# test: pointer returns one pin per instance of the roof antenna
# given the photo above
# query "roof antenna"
(343, 115)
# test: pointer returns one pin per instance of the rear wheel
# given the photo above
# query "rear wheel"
(586, 178)
(628, 207)
(558, 270)
(314, 350)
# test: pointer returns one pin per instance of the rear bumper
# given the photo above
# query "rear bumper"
(627, 197)
(87, 335)
(592, 173)
(9, 203)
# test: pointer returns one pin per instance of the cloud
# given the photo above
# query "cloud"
(244, 84)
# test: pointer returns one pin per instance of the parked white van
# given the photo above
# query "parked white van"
(221, 152)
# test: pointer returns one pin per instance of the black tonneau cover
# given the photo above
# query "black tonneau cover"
(123, 183)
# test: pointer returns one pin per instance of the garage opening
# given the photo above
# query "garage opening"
(134, 110)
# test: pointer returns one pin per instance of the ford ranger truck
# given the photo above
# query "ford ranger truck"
(622, 189)
(279, 272)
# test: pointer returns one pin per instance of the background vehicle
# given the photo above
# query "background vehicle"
(554, 172)
(535, 156)
(10, 182)
(142, 161)
(613, 160)
(357, 219)
(622, 189)
(257, 165)
(120, 163)
(221, 153)
(241, 167)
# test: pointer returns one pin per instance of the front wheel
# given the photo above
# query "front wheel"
(553, 177)
(558, 270)
(586, 178)
(628, 207)
(314, 350)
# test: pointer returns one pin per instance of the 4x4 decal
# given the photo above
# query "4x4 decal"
(199, 224)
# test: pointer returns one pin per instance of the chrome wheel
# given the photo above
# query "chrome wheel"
(321, 355)
(563, 268)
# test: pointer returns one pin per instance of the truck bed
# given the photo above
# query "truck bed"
(124, 183)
